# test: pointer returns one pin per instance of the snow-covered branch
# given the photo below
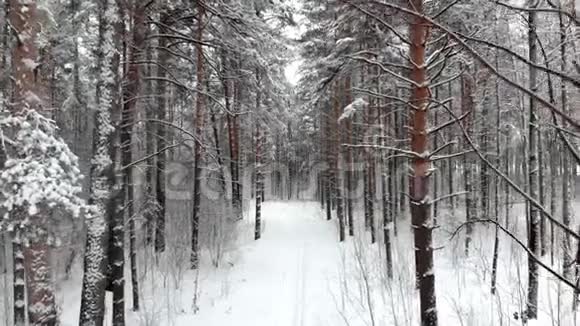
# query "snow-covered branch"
(40, 171)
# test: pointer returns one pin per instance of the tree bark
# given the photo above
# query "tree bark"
(33, 257)
(92, 310)
(422, 220)
(19, 281)
(534, 218)
(116, 255)
(348, 158)
(199, 123)
(468, 166)
(336, 164)
(497, 179)
(258, 181)
(160, 194)
(567, 170)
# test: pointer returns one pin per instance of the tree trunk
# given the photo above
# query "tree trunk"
(422, 220)
(40, 292)
(387, 189)
(541, 192)
(258, 181)
(237, 133)
(34, 256)
(497, 178)
(437, 173)
(92, 310)
(348, 159)
(199, 123)
(534, 219)
(19, 281)
(567, 168)
(468, 166)
(160, 195)
(336, 166)
(230, 104)
(116, 282)
(150, 206)
(328, 173)
(130, 94)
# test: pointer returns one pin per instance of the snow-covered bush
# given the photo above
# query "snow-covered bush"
(40, 174)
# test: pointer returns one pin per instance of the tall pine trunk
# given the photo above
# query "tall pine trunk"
(31, 257)
(534, 217)
(387, 189)
(349, 162)
(258, 184)
(199, 123)
(116, 282)
(567, 169)
(420, 204)
(19, 281)
(131, 92)
(497, 178)
(467, 104)
(336, 164)
(160, 194)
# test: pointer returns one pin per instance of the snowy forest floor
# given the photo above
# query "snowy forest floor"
(298, 274)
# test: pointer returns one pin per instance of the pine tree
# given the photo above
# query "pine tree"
(422, 220)
(199, 124)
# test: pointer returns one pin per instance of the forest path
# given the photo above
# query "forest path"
(285, 278)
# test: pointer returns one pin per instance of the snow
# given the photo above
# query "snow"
(29, 63)
(281, 279)
(43, 171)
(352, 108)
(298, 274)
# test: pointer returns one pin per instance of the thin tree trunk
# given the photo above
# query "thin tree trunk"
(468, 166)
(397, 127)
(19, 281)
(497, 179)
(450, 162)
(150, 209)
(567, 214)
(130, 94)
(541, 192)
(258, 180)
(349, 161)
(336, 166)
(483, 144)
(237, 132)
(387, 173)
(117, 227)
(230, 98)
(328, 173)
(199, 123)
(436, 174)
(534, 219)
(554, 160)
(160, 194)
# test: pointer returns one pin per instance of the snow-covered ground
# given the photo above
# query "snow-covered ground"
(285, 279)
(298, 274)
(282, 279)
